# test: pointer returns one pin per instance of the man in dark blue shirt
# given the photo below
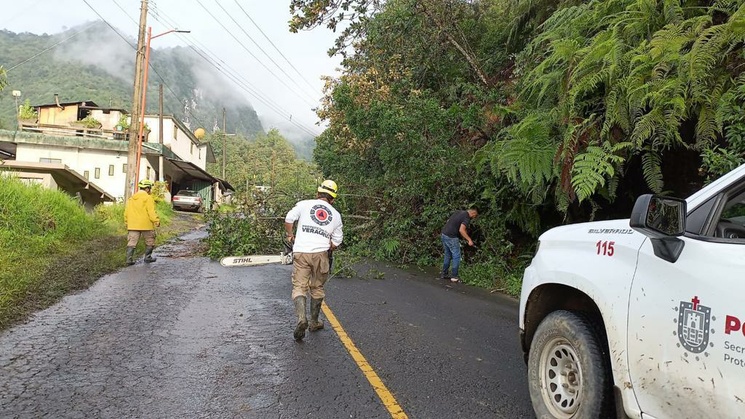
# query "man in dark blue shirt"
(455, 227)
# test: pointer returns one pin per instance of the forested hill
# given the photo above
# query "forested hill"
(98, 65)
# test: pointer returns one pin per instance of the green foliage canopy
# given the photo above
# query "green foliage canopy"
(541, 112)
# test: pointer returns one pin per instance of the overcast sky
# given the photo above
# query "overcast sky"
(291, 96)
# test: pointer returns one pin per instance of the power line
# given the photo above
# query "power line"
(135, 49)
(12, 18)
(246, 48)
(125, 12)
(109, 25)
(222, 67)
(275, 47)
(233, 75)
(258, 46)
(51, 47)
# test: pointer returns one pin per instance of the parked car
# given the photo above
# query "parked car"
(188, 200)
(643, 317)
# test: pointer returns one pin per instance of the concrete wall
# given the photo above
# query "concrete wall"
(57, 116)
(82, 160)
(44, 179)
(107, 120)
(178, 141)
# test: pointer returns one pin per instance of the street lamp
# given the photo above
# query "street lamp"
(143, 102)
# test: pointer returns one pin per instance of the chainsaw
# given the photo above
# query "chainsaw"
(284, 258)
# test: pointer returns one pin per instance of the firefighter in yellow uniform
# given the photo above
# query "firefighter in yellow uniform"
(141, 220)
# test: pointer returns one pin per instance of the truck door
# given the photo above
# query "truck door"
(686, 332)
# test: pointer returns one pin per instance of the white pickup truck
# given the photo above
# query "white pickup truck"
(644, 317)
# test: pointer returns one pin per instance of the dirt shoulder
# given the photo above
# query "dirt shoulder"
(77, 268)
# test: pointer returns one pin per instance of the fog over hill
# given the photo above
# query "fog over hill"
(93, 62)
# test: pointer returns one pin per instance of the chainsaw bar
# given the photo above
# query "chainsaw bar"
(284, 258)
(255, 260)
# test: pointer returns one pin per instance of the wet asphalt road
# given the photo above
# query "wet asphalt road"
(187, 338)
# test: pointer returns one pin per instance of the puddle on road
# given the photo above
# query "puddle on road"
(189, 245)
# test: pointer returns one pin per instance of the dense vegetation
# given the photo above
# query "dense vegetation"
(539, 112)
(269, 178)
(80, 69)
(265, 163)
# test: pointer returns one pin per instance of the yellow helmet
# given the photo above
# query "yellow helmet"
(145, 183)
(328, 186)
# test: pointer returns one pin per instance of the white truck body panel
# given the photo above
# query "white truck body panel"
(570, 255)
(687, 357)
(676, 331)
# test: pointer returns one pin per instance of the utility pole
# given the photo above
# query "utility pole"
(160, 132)
(224, 143)
(16, 95)
(134, 125)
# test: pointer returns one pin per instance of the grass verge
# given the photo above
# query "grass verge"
(50, 247)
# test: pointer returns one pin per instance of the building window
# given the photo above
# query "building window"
(47, 160)
(124, 168)
(111, 170)
(200, 153)
(147, 173)
(175, 133)
(87, 175)
(97, 173)
(191, 150)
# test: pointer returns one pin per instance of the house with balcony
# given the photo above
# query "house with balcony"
(92, 142)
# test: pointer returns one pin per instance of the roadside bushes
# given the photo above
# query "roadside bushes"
(35, 224)
(51, 217)
(237, 233)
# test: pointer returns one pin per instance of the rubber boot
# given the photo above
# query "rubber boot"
(302, 320)
(130, 255)
(315, 309)
(149, 255)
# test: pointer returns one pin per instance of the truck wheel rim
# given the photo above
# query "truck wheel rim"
(561, 377)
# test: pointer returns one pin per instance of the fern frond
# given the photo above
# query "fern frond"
(592, 168)
(652, 171)
(707, 128)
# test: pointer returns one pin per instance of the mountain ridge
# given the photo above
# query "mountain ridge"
(93, 62)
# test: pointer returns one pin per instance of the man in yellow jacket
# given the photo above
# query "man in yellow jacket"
(141, 220)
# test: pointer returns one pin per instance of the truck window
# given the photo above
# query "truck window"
(731, 222)
(697, 219)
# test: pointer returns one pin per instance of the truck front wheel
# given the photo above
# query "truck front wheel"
(568, 376)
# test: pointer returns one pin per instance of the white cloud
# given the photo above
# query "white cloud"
(288, 95)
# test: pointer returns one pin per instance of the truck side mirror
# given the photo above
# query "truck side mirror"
(662, 219)
(658, 216)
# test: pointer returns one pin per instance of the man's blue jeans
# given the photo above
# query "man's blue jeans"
(452, 255)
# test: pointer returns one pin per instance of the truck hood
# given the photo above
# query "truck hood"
(582, 231)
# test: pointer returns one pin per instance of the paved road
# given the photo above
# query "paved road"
(186, 338)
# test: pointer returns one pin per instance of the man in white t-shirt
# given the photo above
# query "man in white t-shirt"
(319, 231)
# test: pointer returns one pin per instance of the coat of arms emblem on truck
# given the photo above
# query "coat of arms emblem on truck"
(694, 325)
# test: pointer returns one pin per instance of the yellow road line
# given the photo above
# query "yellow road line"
(386, 397)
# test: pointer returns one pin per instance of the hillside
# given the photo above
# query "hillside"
(98, 65)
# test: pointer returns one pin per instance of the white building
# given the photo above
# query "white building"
(98, 151)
